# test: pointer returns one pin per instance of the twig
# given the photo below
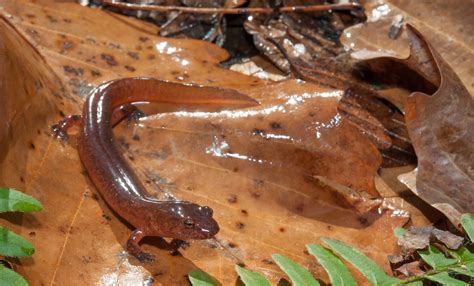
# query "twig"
(224, 10)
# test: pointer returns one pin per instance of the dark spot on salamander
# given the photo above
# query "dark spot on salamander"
(175, 72)
(30, 16)
(131, 157)
(143, 39)
(136, 137)
(106, 217)
(32, 145)
(329, 227)
(151, 57)
(306, 252)
(282, 229)
(235, 170)
(362, 220)
(61, 113)
(38, 131)
(130, 68)
(244, 212)
(109, 59)
(22, 179)
(239, 225)
(32, 233)
(275, 125)
(311, 114)
(232, 199)
(66, 20)
(134, 55)
(232, 245)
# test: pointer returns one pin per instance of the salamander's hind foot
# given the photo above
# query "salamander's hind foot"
(60, 129)
(128, 111)
(134, 249)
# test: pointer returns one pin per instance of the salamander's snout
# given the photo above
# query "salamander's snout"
(207, 211)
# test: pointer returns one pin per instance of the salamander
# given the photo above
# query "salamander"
(114, 178)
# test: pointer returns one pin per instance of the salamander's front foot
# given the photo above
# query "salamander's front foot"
(60, 129)
(134, 249)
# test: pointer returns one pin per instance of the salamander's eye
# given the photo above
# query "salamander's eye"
(189, 223)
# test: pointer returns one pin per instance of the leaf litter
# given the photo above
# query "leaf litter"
(175, 150)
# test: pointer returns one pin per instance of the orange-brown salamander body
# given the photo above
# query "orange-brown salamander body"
(113, 177)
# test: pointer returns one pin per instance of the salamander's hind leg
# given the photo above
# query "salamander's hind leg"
(61, 128)
(126, 111)
(134, 249)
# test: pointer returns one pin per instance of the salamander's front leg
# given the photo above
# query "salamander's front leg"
(134, 249)
(61, 128)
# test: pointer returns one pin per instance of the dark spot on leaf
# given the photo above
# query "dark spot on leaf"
(95, 197)
(130, 68)
(158, 273)
(299, 207)
(362, 220)
(51, 19)
(239, 225)
(96, 73)
(134, 55)
(256, 194)
(109, 59)
(73, 71)
(232, 199)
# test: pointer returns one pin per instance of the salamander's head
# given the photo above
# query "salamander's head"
(190, 221)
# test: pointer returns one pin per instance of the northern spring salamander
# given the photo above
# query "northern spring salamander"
(113, 177)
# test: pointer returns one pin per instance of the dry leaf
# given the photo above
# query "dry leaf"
(441, 126)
